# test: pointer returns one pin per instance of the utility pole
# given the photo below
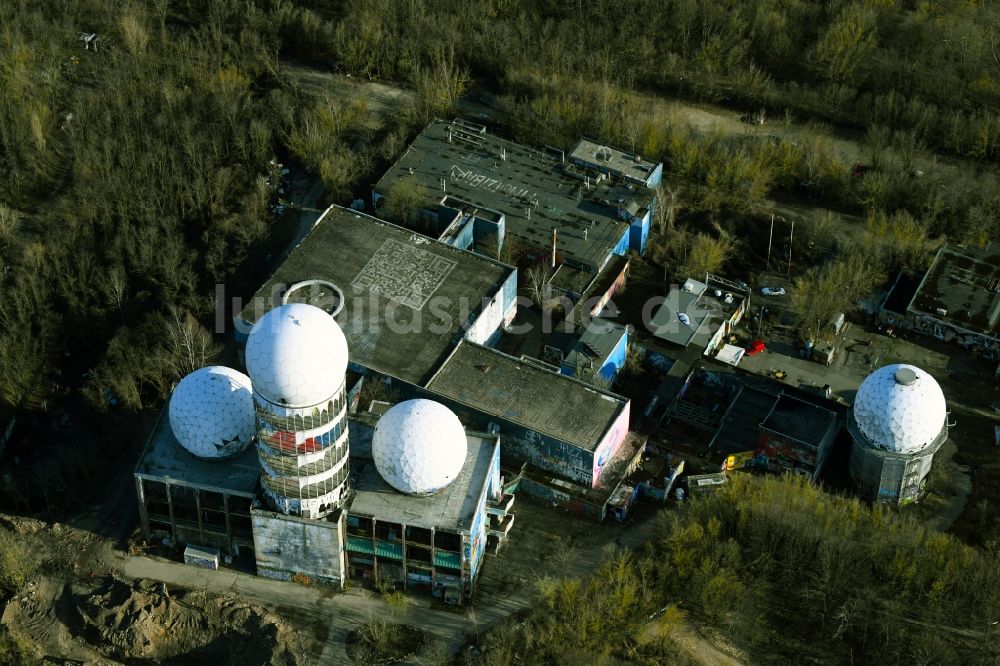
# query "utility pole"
(770, 237)
(791, 234)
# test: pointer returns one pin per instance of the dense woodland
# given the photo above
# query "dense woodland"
(786, 573)
(141, 172)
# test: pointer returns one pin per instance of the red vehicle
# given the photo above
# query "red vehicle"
(756, 347)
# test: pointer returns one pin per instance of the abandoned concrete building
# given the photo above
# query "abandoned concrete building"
(957, 299)
(292, 503)
(552, 421)
(475, 190)
(409, 299)
(411, 333)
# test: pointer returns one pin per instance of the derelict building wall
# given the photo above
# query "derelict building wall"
(288, 547)
(188, 514)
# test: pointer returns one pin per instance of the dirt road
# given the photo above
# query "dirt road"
(334, 613)
(331, 615)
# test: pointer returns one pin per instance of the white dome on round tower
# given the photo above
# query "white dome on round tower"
(900, 408)
(419, 447)
(211, 412)
(296, 356)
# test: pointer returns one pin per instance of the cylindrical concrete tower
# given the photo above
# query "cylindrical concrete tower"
(898, 422)
(296, 356)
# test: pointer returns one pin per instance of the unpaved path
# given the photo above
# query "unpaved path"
(691, 641)
(338, 612)
(383, 99)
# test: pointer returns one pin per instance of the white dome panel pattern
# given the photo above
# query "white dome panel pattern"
(212, 414)
(900, 408)
(419, 447)
(296, 356)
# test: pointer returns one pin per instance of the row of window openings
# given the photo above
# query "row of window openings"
(305, 422)
(288, 488)
(284, 440)
(289, 465)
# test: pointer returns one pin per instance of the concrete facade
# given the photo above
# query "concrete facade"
(431, 544)
(957, 300)
(187, 500)
(885, 476)
(598, 354)
(557, 423)
(292, 548)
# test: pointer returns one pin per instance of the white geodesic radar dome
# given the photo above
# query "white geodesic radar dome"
(900, 408)
(296, 355)
(419, 447)
(211, 412)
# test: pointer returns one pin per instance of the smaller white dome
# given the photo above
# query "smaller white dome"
(296, 356)
(211, 412)
(419, 447)
(900, 408)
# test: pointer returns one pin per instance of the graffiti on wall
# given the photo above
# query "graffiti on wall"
(611, 442)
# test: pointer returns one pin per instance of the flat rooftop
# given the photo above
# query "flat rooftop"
(628, 164)
(596, 342)
(409, 297)
(797, 419)
(703, 308)
(964, 282)
(452, 508)
(739, 430)
(507, 177)
(165, 460)
(528, 395)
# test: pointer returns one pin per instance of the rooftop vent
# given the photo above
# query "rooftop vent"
(905, 376)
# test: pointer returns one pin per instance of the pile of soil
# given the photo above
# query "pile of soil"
(144, 623)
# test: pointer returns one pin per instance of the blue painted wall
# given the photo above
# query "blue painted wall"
(639, 232)
(477, 533)
(611, 365)
(615, 360)
(510, 296)
(463, 239)
(624, 243)
(516, 442)
(487, 231)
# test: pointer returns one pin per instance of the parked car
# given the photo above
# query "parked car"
(773, 291)
(684, 318)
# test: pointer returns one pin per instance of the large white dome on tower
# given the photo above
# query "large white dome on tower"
(211, 412)
(296, 355)
(900, 408)
(419, 447)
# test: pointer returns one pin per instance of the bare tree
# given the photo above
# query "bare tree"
(501, 252)
(669, 200)
(189, 345)
(536, 281)
(116, 289)
(439, 85)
